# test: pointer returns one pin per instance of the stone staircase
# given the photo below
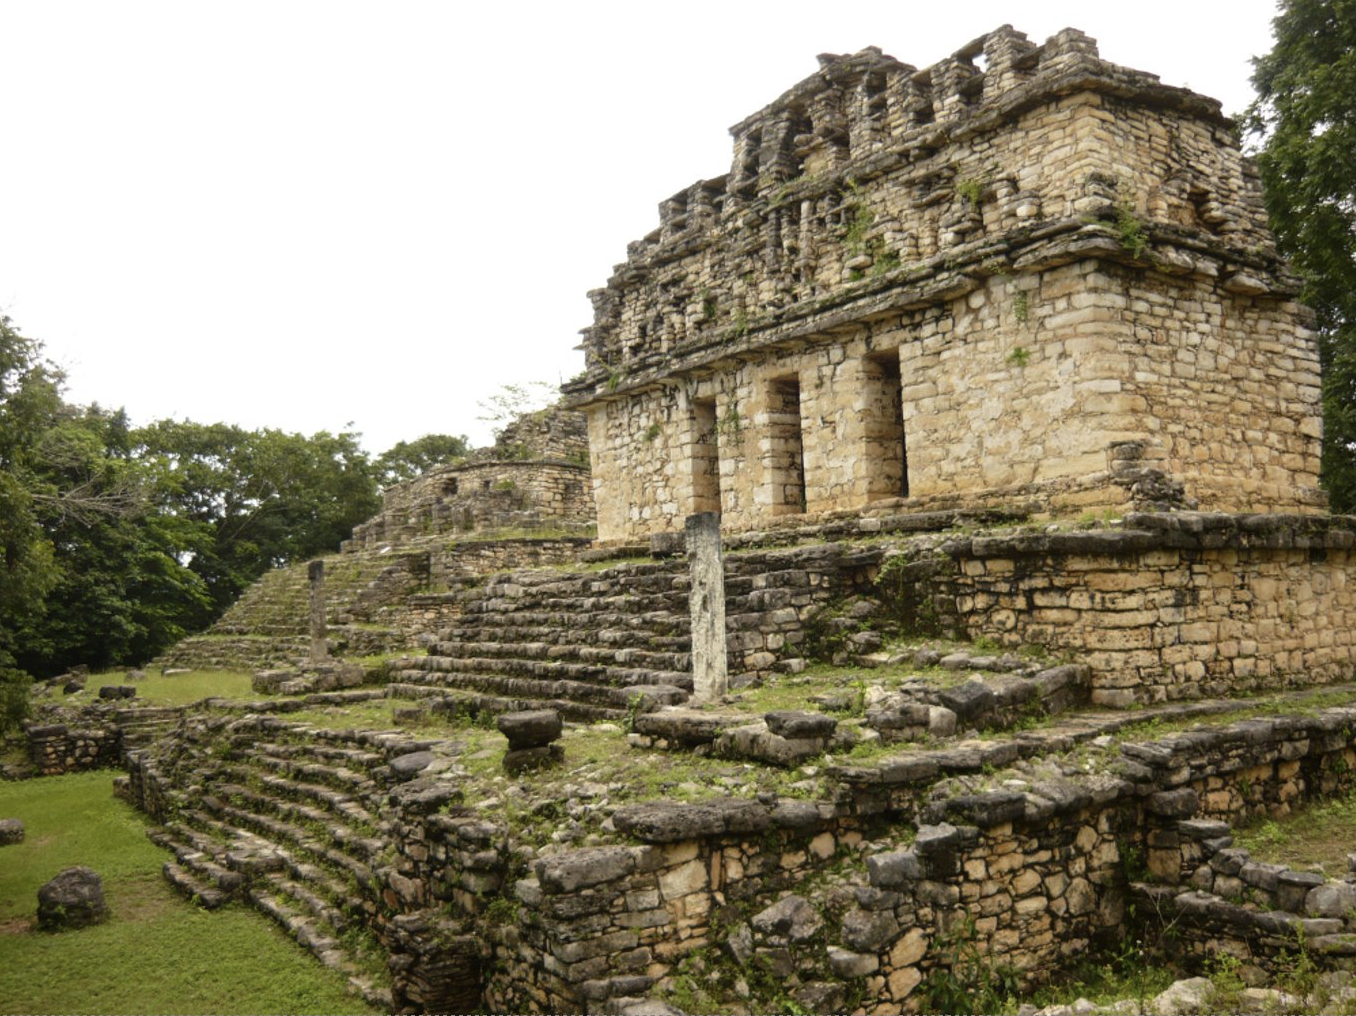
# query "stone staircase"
(268, 625)
(593, 645)
(141, 725)
(286, 825)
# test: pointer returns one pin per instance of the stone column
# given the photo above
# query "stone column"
(706, 600)
(315, 573)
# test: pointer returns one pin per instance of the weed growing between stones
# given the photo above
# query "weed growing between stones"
(971, 982)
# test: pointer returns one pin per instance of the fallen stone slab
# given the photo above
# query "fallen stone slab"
(796, 723)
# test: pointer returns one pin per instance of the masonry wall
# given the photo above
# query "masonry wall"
(1166, 613)
(1022, 265)
(482, 495)
(1043, 871)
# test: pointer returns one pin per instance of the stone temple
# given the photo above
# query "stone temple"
(1000, 389)
(1020, 275)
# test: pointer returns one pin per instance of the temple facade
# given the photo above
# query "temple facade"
(1021, 275)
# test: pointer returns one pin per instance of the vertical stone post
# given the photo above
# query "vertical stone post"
(315, 573)
(706, 601)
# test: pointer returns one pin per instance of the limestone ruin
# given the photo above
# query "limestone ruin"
(999, 388)
(1020, 274)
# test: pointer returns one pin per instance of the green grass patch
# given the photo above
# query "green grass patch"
(157, 952)
(1314, 835)
(159, 690)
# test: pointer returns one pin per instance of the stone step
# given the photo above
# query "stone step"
(279, 802)
(623, 605)
(574, 700)
(343, 760)
(486, 697)
(334, 774)
(446, 659)
(206, 895)
(253, 814)
(308, 929)
(667, 637)
(647, 658)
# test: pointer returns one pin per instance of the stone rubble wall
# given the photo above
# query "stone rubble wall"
(1043, 872)
(55, 748)
(441, 865)
(551, 433)
(484, 495)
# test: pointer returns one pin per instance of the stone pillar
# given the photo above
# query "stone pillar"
(315, 573)
(706, 600)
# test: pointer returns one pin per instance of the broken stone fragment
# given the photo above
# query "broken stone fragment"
(791, 918)
(1336, 899)
(117, 691)
(406, 766)
(968, 701)
(73, 899)
(793, 723)
(532, 728)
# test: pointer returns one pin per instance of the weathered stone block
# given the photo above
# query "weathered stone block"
(73, 899)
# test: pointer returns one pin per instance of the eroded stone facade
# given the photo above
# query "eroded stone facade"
(959, 283)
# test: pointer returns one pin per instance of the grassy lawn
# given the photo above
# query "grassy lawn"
(156, 953)
(1318, 834)
(159, 690)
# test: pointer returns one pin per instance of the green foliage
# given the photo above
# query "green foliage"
(730, 425)
(1021, 308)
(651, 432)
(858, 218)
(247, 501)
(971, 982)
(905, 590)
(15, 694)
(1306, 121)
(1133, 238)
(886, 262)
(971, 189)
(741, 323)
(1019, 356)
(118, 542)
(512, 401)
(407, 459)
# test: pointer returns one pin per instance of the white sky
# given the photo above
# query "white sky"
(306, 214)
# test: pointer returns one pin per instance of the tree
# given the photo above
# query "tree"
(30, 397)
(408, 459)
(1306, 116)
(121, 593)
(247, 501)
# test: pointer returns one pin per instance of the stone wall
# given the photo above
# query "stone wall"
(56, 748)
(478, 496)
(1033, 874)
(983, 286)
(1172, 605)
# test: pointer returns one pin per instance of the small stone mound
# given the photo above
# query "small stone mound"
(73, 899)
(11, 831)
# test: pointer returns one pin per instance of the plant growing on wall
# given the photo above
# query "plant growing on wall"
(730, 425)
